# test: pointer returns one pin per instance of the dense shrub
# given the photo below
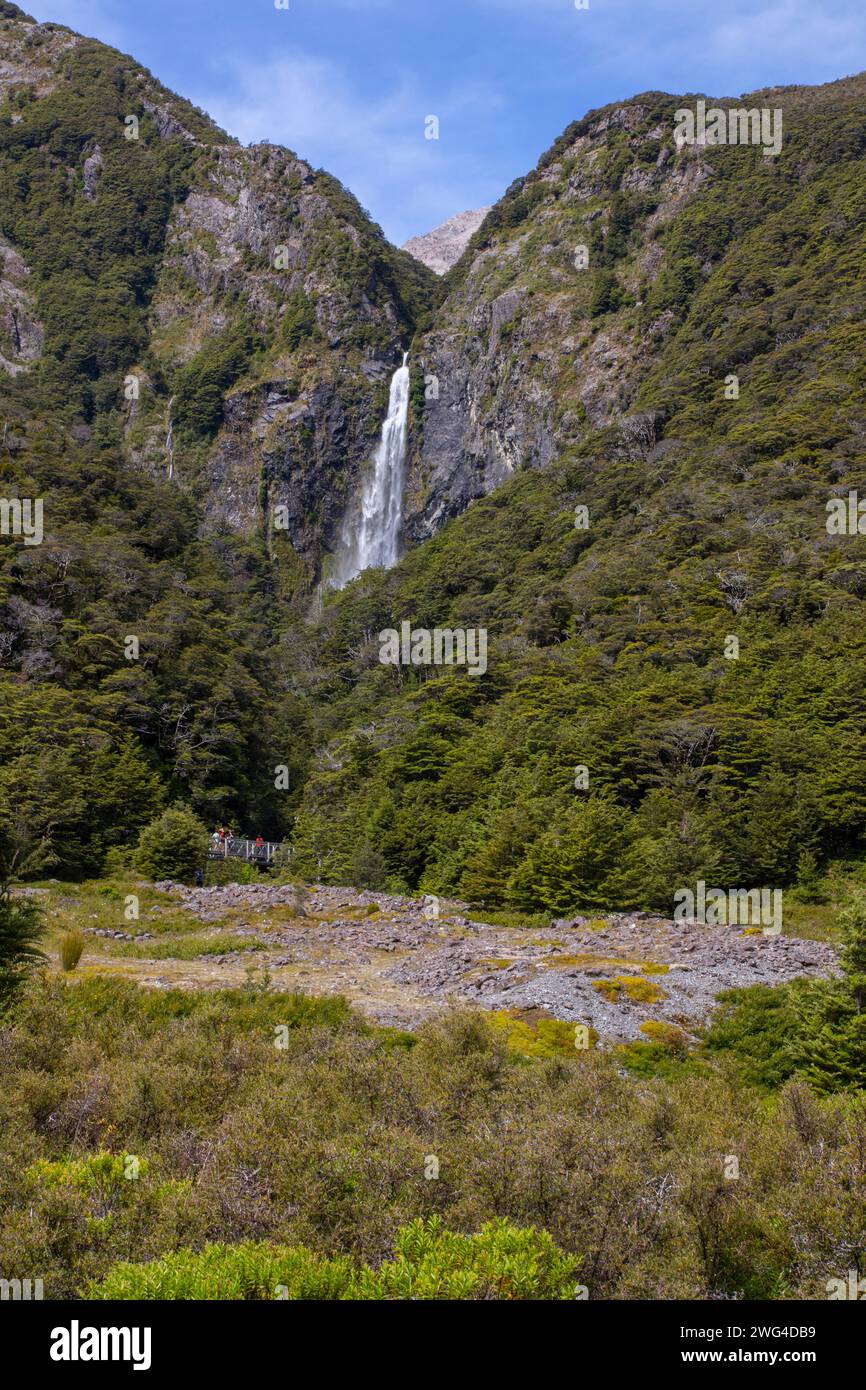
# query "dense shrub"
(202, 384)
(621, 1166)
(829, 1043)
(174, 845)
(606, 294)
(757, 1026)
(243, 1271)
(812, 1029)
(298, 323)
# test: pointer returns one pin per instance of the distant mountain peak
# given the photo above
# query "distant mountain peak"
(443, 247)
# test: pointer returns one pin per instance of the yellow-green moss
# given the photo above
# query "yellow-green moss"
(634, 987)
(588, 959)
(543, 1037)
(667, 1034)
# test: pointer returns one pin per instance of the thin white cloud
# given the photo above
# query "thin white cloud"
(619, 34)
(325, 107)
(793, 28)
(378, 148)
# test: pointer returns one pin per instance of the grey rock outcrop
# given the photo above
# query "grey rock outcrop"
(21, 333)
(443, 247)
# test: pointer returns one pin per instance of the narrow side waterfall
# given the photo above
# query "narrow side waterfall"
(169, 440)
(370, 535)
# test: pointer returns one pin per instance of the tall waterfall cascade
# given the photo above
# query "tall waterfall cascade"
(370, 534)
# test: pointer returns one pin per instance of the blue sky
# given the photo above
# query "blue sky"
(348, 84)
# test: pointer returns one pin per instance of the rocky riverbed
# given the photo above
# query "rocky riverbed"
(399, 962)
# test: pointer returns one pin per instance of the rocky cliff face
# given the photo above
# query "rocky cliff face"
(271, 312)
(262, 236)
(442, 248)
(563, 316)
(237, 315)
(21, 333)
(525, 357)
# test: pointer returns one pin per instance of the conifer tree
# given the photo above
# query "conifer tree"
(20, 929)
(831, 1046)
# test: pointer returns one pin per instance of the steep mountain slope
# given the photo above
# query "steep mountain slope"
(194, 334)
(531, 354)
(248, 295)
(191, 334)
(610, 643)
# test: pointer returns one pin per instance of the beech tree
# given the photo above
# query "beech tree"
(174, 845)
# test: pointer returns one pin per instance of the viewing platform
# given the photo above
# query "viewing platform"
(266, 853)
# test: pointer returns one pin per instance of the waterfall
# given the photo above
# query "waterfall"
(169, 442)
(370, 535)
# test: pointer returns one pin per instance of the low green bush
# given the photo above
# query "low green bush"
(756, 1026)
(21, 930)
(430, 1262)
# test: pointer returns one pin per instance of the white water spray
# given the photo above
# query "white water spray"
(370, 536)
(169, 440)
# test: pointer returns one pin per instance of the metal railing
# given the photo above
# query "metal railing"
(231, 847)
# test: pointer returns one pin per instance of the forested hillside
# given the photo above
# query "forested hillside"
(586, 483)
(705, 378)
(449, 1039)
(193, 335)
